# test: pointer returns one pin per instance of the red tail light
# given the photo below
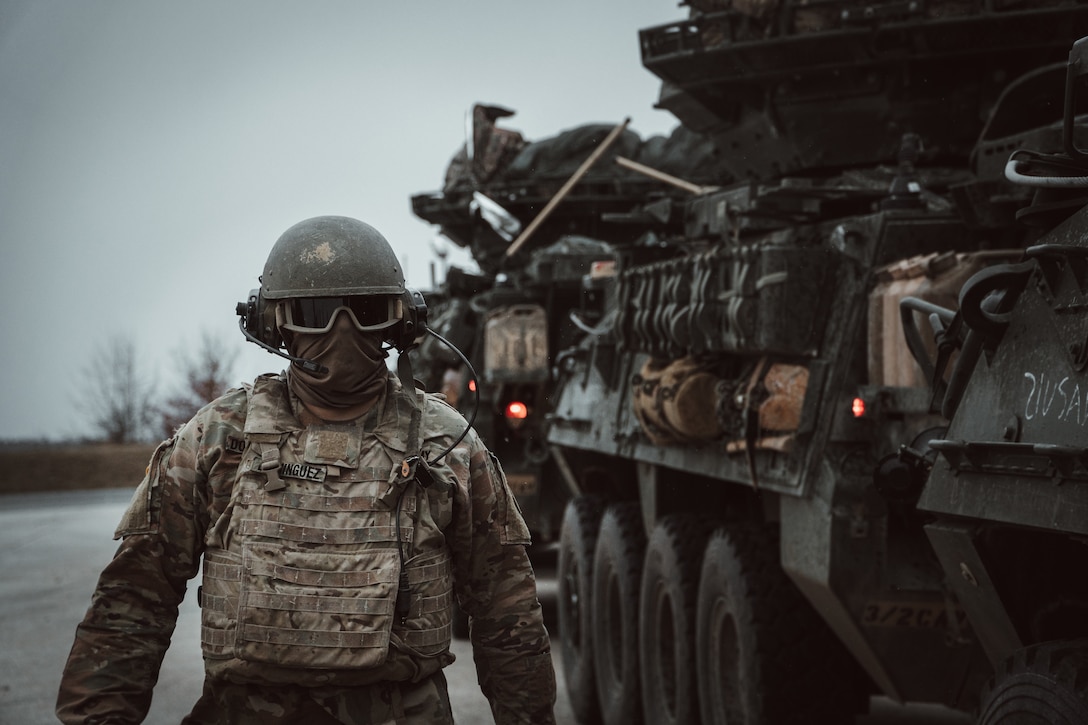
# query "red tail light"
(858, 407)
(516, 410)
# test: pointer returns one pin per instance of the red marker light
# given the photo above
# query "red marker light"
(517, 410)
(604, 268)
(472, 385)
(858, 407)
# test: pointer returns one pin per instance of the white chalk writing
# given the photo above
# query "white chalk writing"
(1051, 397)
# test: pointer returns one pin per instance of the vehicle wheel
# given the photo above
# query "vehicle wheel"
(1045, 683)
(617, 568)
(670, 582)
(577, 541)
(763, 655)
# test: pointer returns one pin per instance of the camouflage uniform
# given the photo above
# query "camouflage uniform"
(201, 496)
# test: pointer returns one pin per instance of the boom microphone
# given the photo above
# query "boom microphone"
(302, 362)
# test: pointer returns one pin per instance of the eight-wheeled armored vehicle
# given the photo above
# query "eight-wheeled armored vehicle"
(814, 401)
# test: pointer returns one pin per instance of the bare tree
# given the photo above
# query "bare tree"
(116, 395)
(205, 374)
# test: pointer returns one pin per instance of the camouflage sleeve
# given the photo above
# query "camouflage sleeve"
(120, 643)
(497, 589)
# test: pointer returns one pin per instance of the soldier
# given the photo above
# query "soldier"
(337, 510)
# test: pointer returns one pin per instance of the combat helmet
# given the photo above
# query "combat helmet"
(331, 256)
(320, 267)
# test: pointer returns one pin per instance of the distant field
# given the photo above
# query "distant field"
(31, 468)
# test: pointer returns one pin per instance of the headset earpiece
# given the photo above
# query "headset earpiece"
(413, 321)
(266, 319)
(248, 311)
(259, 318)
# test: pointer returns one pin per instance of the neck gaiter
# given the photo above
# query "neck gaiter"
(355, 361)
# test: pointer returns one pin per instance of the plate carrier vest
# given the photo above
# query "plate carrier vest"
(302, 571)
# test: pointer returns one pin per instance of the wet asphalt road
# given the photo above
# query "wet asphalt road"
(52, 547)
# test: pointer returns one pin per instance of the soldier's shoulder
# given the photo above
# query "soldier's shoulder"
(441, 416)
(233, 402)
(438, 407)
(227, 411)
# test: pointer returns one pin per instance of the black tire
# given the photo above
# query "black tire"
(617, 569)
(670, 583)
(1045, 684)
(763, 655)
(577, 541)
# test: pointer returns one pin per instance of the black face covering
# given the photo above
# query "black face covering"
(355, 361)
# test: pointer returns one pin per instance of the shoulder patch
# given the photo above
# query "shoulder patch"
(142, 515)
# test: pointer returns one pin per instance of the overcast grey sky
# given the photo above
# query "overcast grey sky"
(153, 150)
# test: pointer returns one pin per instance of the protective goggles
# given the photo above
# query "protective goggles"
(317, 314)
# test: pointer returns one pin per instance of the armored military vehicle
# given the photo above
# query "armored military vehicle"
(771, 516)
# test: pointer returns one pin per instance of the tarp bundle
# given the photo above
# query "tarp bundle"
(501, 156)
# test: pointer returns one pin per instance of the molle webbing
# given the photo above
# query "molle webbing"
(312, 535)
(307, 577)
(311, 603)
(423, 640)
(233, 573)
(335, 639)
(430, 605)
(435, 573)
(316, 502)
(416, 574)
(260, 634)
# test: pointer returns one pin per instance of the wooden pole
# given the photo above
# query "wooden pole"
(662, 176)
(565, 189)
